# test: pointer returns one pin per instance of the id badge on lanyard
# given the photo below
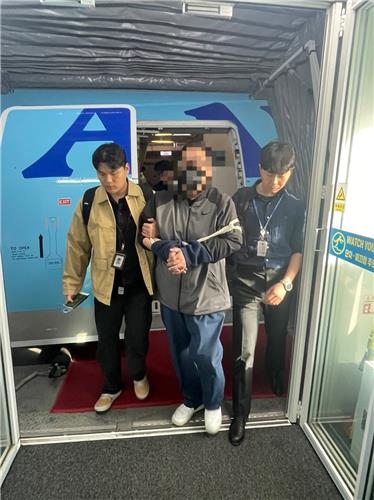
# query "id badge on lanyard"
(262, 244)
(119, 259)
(262, 247)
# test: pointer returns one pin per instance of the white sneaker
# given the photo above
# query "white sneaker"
(213, 421)
(183, 414)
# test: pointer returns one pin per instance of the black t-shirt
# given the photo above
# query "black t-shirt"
(160, 186)
(131, 275)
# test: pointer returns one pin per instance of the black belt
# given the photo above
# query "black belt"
(247, 268)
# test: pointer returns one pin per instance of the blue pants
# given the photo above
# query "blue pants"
(197, 353)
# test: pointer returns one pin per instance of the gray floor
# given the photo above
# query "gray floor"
(271, 464)
(36, 397)
(263, 468)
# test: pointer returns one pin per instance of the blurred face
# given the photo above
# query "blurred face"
(113, 181)
(273, 183)
(194, 174)
(151, 176)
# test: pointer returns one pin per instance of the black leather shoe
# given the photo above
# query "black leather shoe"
(277, 384)
(237, 430)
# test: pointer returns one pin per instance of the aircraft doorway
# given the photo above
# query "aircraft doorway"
(37, 391)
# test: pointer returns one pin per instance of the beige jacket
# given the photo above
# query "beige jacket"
(96, 242)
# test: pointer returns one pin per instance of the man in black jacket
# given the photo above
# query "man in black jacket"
(263, 273)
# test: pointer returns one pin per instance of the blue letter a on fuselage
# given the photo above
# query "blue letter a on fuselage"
(116, 122)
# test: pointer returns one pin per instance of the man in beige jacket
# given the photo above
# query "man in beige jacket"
(121, 272)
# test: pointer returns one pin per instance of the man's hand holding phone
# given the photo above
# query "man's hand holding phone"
(73, 301)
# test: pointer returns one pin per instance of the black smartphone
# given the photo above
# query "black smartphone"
(78, 299)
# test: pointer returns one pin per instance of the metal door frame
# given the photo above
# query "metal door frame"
(327, 151)
(10, 393)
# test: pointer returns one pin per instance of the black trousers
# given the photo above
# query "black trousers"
(136, 307)
(248, 289)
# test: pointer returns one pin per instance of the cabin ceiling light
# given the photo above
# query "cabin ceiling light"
(207, 9)
(162, 141)
(69, 3)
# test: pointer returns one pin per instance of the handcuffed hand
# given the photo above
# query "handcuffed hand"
(176, 263)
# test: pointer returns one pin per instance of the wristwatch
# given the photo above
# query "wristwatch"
(288, 286)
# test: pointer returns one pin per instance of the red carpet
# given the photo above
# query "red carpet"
(83, 381)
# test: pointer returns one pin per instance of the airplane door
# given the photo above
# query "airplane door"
(337, 407)
(9, 432)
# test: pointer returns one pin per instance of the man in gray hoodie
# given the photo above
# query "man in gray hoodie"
(191, 279)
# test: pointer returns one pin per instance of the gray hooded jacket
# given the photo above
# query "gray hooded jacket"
(203, 289)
